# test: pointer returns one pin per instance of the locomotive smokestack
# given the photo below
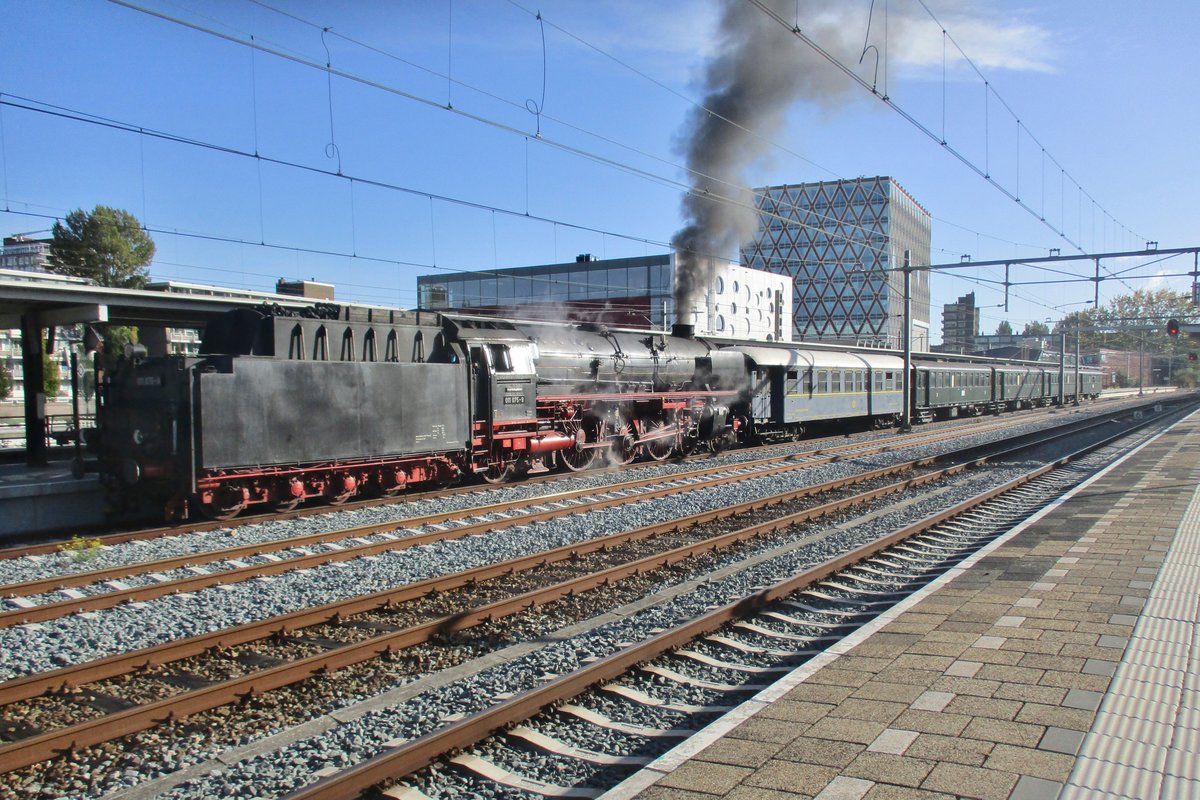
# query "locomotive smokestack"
(683, 330)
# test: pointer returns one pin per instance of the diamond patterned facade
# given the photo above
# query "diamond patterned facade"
(843, 244)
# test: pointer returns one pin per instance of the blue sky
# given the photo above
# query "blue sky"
(430, 118)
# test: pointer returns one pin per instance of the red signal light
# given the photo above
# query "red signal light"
(1172, 327)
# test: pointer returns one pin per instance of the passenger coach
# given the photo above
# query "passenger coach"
(791, 388)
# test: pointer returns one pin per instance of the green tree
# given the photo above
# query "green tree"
(1187, 378)
(1130, 321)
(1004, 328)
(115, 337)
(6, 381)
(107, 246)
(1035, 329)
(50, 376)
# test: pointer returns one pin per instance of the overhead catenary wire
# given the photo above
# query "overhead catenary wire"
(728, 198)
(909, 117)
(494, 210)
(542, 22)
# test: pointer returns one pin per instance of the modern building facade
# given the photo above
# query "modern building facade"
(623, 292)
(23, 253)
(843, 244)
(960, 324)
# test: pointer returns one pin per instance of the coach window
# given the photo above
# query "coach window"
(791, 386)
(807, 385)
(837, 381)
(822, 381)
(889, 380)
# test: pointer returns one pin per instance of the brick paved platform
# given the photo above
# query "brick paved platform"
(1062, 662)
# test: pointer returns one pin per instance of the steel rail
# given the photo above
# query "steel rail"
(22, 551)
(74, 676)
(408, 757)
(31, 750)
(37, 748)
(70, 677)
(53, 610)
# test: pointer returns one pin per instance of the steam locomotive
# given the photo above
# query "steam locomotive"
(279, 408)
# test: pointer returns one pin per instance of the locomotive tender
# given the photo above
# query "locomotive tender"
(277, 408)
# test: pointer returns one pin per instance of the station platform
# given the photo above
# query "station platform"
(37, 500)
(1061, 662)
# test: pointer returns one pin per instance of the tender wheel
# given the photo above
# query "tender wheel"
(223, 506)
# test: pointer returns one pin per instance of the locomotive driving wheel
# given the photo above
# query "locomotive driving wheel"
(577, 458)
(659, 449)
(624, 448)
(500, 471)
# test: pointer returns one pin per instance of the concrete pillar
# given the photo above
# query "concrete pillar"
(32, 348)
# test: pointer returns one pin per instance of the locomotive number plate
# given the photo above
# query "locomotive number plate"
(514, 399)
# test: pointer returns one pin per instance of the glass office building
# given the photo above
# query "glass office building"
(843, 243)
(623, 292)
(626, 292)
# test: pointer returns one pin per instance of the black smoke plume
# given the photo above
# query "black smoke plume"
(761, 69)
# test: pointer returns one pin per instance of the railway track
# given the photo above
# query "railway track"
(27, 601)
(54, 544)
(377, 618)
(789, 622)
